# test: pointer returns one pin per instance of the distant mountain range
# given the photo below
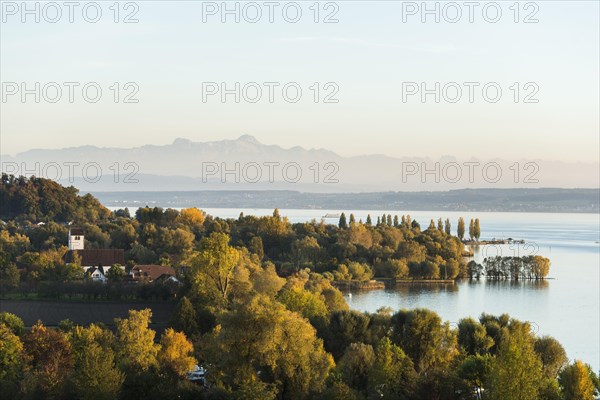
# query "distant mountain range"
(246, 164)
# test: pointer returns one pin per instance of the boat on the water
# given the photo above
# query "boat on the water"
(329, 215)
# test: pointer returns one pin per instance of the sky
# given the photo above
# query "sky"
(372, 59)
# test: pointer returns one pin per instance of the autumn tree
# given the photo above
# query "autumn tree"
(51, 361)
(191, 217)
(577, 382)
(252, 338)
(175, 355)
(135, 345)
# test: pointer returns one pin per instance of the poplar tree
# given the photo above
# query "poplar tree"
(460, 230)
(476, 230)
(472, 229)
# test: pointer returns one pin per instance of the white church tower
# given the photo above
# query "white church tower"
(76, 239)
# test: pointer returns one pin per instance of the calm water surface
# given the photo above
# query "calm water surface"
(566, 306)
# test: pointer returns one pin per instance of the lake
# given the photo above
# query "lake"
(567, 306)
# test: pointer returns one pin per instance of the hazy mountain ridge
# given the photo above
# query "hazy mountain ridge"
(186, 165)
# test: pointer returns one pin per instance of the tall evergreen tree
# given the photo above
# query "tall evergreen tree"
(440, 225)
(342, 223)
(396, 223)
(447, 227)
(352, 219)
(389, 220)
(369, 222)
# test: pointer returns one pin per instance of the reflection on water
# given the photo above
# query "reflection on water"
(420, 288)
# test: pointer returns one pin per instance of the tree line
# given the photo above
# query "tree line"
(36, 214)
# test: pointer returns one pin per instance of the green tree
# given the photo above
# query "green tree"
(14, 323)
(475, 370)
(552, 354)
(212, 267)
(342, 222)
(440, 225)
(304, 302)
(11, 361)
(356, 364)
(447, 227)
(393, 375)
(9, 275)
(95, 375)
(460, 230)
(516, 372)
(369, 222)
(473, 338)
(115, 273)
(577, 382)
(352, 220)
(422, 335)
(256, 247)
(135, 345)
(185, 318)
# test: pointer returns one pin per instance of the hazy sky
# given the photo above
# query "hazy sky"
(369, 54)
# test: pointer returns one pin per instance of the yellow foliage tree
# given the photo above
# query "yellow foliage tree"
(176, 352)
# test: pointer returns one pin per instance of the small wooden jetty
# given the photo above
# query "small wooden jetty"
(492, 241)
(358, 285)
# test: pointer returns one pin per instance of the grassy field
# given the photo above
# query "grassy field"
(83, 313)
